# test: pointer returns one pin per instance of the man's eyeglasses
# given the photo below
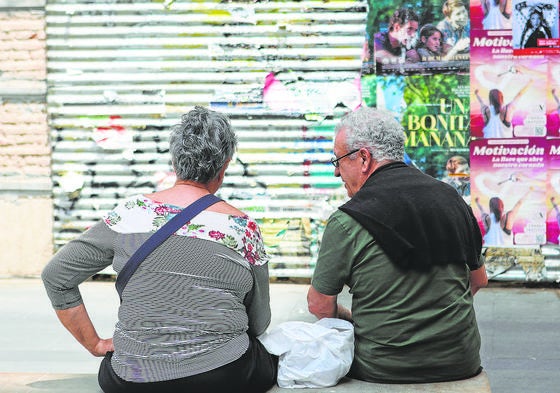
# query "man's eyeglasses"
(335, 160)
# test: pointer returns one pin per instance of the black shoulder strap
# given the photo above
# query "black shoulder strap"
(159, 237)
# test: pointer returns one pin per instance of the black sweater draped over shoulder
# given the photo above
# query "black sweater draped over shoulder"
(417, 220)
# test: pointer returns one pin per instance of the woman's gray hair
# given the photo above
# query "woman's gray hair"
(376, 130)
(201, 145)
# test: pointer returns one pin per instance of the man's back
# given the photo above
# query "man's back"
(409, 326)
(409, 248)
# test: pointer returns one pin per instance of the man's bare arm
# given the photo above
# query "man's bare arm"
(326, 306)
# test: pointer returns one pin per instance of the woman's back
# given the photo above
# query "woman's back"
(495, 20)
(495, 127)
(495, 235)
(184, 310)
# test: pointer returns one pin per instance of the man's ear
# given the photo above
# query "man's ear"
(366, 158)
(365, 154)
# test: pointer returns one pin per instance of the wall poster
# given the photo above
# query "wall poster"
(476, 87)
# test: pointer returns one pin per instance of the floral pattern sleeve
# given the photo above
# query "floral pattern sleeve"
(240, 233)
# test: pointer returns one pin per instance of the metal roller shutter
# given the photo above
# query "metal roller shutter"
(121, 72)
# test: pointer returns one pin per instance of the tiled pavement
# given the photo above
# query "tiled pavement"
(520, 328)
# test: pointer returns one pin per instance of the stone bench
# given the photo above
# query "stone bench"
(48, 383)
(87, 383)
(478, 384)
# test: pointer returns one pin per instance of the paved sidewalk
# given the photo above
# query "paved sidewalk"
(520, 330)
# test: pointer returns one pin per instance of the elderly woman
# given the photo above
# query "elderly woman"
(190, 314)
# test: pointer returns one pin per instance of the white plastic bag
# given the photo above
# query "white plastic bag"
(312, 355)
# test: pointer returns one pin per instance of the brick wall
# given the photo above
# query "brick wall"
(25, 183)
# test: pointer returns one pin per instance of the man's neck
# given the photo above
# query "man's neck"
(379, 164)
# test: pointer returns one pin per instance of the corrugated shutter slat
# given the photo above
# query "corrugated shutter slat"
(121, 73)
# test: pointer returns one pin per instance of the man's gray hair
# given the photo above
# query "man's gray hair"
(376, 130)
(201, 145)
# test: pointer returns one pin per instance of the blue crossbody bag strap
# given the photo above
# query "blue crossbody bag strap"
(159, 237)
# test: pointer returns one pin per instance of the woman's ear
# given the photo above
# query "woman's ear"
(223, 170)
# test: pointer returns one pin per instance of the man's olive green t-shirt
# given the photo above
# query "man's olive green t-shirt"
(409, 326)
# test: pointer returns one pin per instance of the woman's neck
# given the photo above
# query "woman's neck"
(191, 184)
(182, 193)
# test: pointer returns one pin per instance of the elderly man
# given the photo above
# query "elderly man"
(409, 249)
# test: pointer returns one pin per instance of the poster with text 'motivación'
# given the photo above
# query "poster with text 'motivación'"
(509, 189)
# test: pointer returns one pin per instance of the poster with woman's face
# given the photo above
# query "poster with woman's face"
(535, 27)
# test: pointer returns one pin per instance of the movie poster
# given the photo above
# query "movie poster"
(406, 38)
(509, 190)
(508, 93)
(434, 113)
(553, 192)
(491, 14)
(535, 27)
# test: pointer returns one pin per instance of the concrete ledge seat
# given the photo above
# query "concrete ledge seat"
(87, 383)
(48, 383)
(478, 384)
